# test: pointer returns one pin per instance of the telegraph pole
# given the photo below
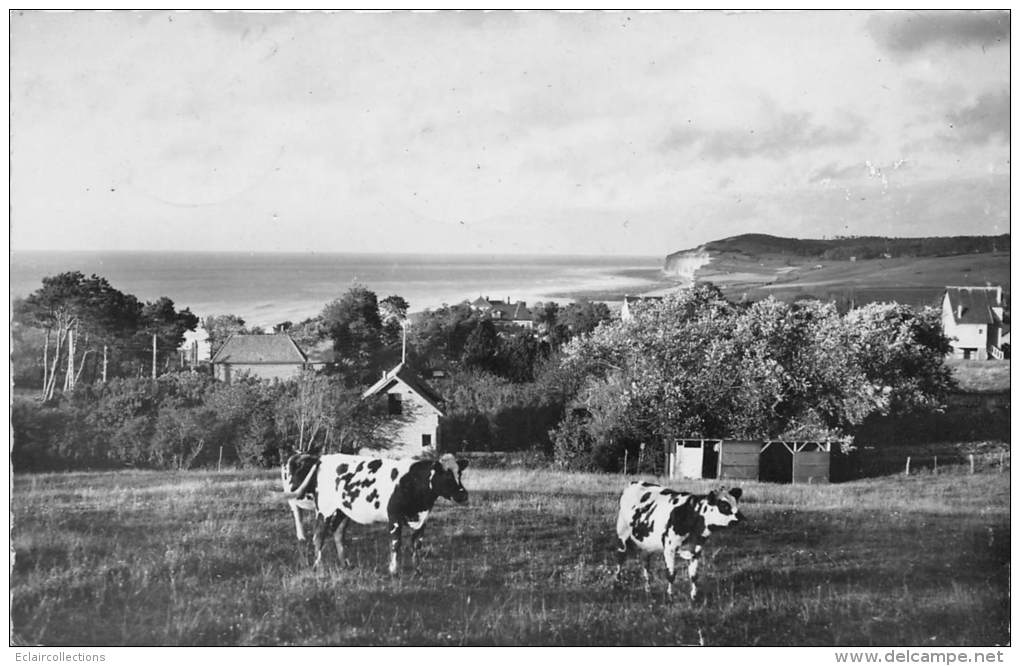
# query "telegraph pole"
(153, 355)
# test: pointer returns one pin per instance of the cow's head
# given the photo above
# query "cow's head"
(720, 508)
(445, 478)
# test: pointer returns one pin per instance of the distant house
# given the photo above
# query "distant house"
(274, 356)
(504, 312)
(407, 395)
(972, 320)
(626, 310)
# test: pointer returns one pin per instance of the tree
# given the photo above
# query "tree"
(903, 351)
(353, 323)
(161, 319)
(694, 365)
(482, 348)
(583, 316)
(438, 336)
(218, 328)
(82, 313)
(393, 313)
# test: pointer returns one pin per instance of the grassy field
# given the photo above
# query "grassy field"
(909, 280)
(980, 376)
(205, 558)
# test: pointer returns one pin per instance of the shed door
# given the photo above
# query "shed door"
(811, 467)
(689, 459)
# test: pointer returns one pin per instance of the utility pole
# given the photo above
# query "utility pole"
(104, 364)
(153, 355)
(403, 350)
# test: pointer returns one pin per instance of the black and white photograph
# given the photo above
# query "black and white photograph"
(510, 328)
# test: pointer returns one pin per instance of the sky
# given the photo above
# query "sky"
(503, 132)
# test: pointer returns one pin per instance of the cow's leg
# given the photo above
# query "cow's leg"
(324, 527)
(692, 575)
(297, 519)
(646, 566)
(621, 558)
(340, 539)
(394, 548)
(669, 554)
(417, 543)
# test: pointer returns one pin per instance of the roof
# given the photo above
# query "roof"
(413, 382)
(507, 311)
(513, 311)
(976, 304)
(279, 348)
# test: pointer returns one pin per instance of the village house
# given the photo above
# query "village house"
(411, 399)
(504, 312)
(626, 310)
(274, 356)
(972, 320)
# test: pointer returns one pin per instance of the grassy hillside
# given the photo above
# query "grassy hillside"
(862, 247)
(915, 281)
(205, 559)
(914, 271)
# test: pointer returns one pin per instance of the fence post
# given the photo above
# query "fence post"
(907, 470)
(971, 456)
(219, 463)
(625, 462)
(935, 469)
(1002, 461)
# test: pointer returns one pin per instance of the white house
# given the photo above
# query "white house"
(972, 320)
(407, 395)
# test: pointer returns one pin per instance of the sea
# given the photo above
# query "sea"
(269, 288)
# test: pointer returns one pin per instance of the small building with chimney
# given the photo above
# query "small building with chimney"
(418, 407)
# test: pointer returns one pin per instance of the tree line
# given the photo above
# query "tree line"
(578, 385)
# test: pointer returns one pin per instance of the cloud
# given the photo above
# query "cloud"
(984, 120)
(786, 134)
(910, 32)
(834, 171)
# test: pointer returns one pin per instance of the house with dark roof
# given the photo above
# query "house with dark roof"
(274, 356)
(972, 320)
(418, 406)
(504, 312)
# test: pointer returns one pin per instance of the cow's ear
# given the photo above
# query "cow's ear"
(315, 450)
(736, 492)
(462, 463)
(711, 496)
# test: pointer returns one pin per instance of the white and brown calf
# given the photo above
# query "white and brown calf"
(400, 493)
(297, 476)
(654, 519)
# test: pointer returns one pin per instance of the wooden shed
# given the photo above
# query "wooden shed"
(795, 462)
(713, 459)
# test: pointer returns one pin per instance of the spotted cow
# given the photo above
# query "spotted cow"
(400, 493)
(654, 519)
(297, 476)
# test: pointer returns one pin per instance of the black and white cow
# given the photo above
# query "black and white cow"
(400, 493)
(654, 519)
(297, 476)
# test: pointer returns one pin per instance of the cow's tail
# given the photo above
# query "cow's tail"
(300, 490)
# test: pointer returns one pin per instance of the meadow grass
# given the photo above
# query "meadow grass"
(206, 558)
(980, 376)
